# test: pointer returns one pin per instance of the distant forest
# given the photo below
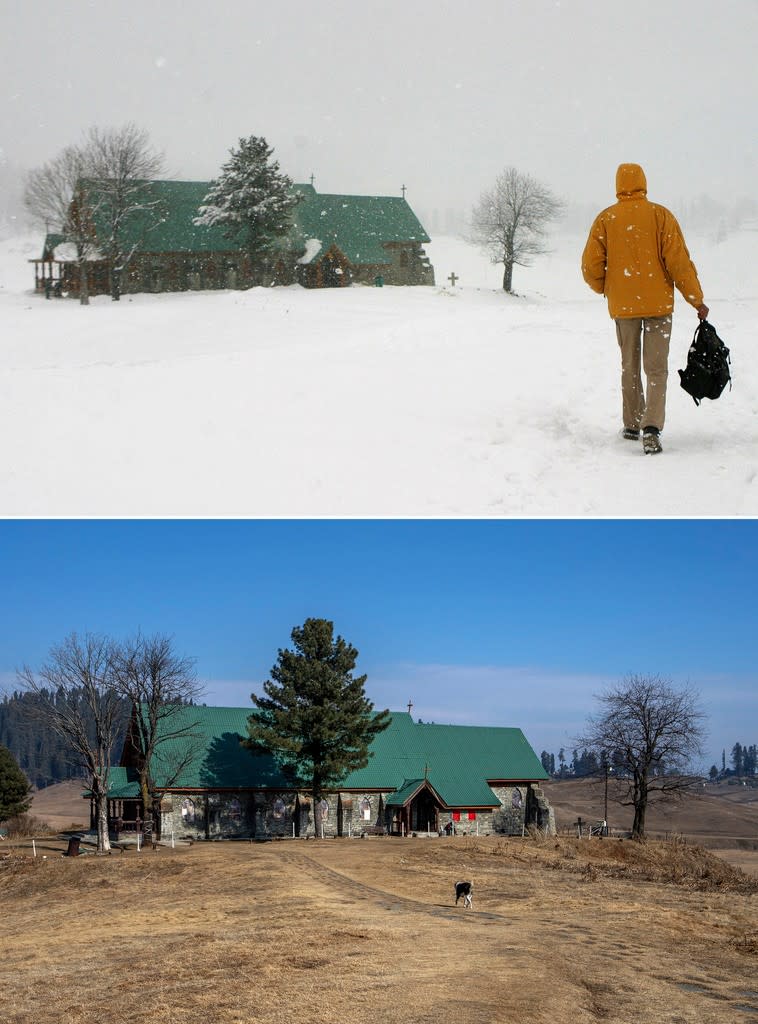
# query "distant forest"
(743, 763)
(42, 755)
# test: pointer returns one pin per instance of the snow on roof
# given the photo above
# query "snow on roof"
(312, 249)
(65, 251)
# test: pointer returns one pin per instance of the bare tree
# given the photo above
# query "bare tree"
(159, 684)
(50, 195)
(510, 220)
(121, 166)
(49, 189)
(77, 699)
(100, 196)
(650, 733)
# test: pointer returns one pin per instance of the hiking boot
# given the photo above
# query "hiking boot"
(651, 442)
(630, 434)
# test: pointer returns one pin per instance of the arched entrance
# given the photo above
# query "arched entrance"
(335, 272)
(415, 807)
(424, 813)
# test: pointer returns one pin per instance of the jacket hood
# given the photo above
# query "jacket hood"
(630, 178)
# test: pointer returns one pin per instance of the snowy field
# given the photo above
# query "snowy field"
(378, 402)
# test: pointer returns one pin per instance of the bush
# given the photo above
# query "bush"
(21, 826)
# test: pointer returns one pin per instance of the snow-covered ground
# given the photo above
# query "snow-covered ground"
(379, 402)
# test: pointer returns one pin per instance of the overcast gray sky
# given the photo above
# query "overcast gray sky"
(439, 95)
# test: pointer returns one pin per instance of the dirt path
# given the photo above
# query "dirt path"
(541, 948)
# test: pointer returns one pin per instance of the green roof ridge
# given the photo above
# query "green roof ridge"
(457, 760)
(360, 226)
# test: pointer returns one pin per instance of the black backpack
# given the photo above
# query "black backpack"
(707, 371)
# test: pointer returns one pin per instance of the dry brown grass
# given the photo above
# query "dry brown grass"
(562, 930)
(26, 825)
(715, 816)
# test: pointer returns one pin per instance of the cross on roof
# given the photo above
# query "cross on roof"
(403, 190)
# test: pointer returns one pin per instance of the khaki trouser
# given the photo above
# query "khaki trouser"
(644, 344)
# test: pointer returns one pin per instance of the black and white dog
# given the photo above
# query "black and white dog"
(465, 890)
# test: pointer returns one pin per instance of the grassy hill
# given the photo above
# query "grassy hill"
(61, 805)
(719, 815)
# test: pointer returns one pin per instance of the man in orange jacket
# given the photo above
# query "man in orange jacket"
(634, 255)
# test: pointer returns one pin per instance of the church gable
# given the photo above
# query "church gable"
(380, 237)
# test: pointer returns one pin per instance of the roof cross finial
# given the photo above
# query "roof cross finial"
(410, 706)
(403, 190)
(313, 178)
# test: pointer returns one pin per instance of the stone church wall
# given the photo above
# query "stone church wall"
(266, 815)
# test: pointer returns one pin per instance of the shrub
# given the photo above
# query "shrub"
(23, 825)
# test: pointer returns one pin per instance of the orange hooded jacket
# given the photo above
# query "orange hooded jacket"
(635, 253)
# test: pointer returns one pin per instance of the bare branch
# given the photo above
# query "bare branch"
(509, 223)
(650, 733)
(159, 684)
(49, 189)
(77, 699)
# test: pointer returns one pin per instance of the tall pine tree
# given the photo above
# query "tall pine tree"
(315, 716)
(251, 198)
(14, 787)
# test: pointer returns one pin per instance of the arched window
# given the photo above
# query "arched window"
(279, 808)
(366, 809)
(516, 799)
(188, 811)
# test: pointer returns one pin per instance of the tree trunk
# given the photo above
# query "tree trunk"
(640, 807)
(317, 806)
(508, 276)
(103, 838)
(638, 825)
(147, 803)
(83, 283)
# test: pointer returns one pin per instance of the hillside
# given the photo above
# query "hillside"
(721, 815)
(61, 805)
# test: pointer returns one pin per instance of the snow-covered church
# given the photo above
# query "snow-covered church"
(334, 240)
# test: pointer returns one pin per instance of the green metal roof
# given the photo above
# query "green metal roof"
(358, 225)
(122, 783)
(407, 792)
(219, 760)
(175, 231)
(457, 760)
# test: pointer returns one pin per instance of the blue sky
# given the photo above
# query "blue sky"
(482, 622)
